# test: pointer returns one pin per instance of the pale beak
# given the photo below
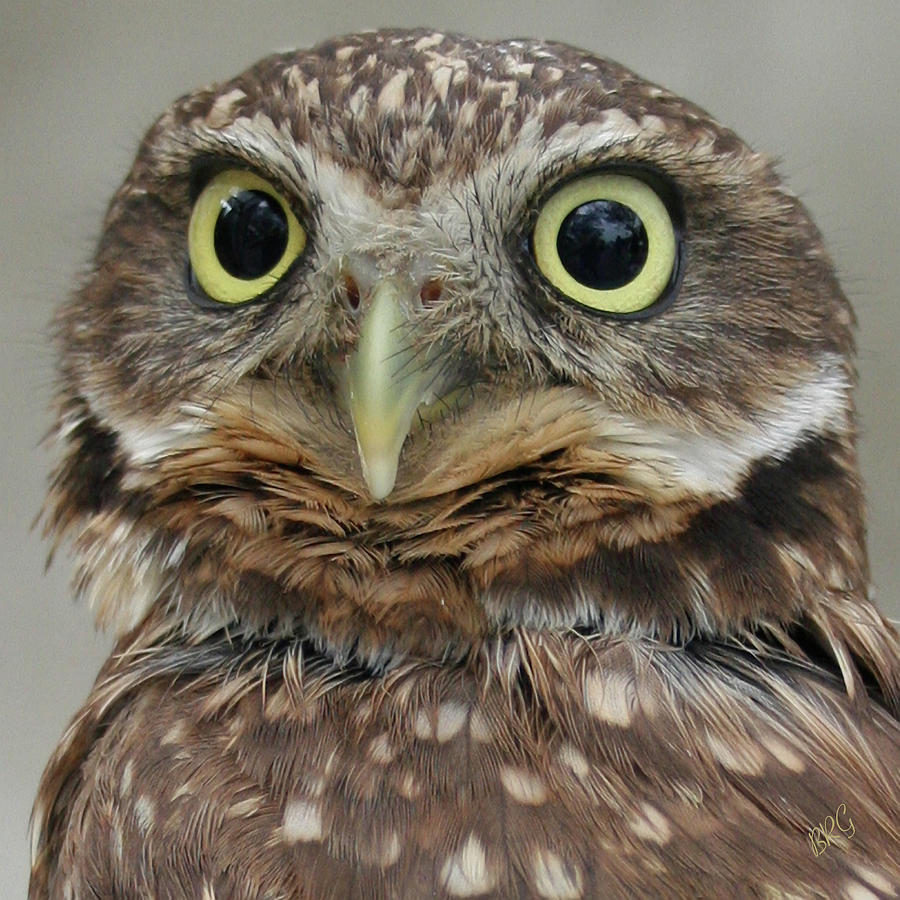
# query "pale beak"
(388, 377)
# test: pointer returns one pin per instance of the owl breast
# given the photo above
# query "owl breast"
(588, 768)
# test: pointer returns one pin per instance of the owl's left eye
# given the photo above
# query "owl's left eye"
(242, 237)
(606, 240)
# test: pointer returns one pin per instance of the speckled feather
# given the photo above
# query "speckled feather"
(610, 634)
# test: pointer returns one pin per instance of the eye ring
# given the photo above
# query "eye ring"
(631, 273)
(242, 237)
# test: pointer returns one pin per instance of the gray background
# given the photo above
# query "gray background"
(812, 83)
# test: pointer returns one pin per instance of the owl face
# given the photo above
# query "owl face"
(372, 327)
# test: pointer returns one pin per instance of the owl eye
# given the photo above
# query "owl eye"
(242, 237)
(607, 242)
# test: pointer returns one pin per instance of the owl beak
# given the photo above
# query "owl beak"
(388, 377)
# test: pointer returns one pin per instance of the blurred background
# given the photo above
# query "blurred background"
(815, 84)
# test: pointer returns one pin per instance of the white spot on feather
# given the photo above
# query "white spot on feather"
(184, 790)
(437, 60)
(390, 850)
(381, 750)
(407, 786)
(740, 756)
(466, 114)
(784, 754)
(875, 879)
(358, 100)
(572, 758)
(302, 822)
(145, 812)
(382, 850)
(466, 873)
(440, 80)
(430, 40)
(522, 786)
(853, 890)
(555, 879)
(651, 825)
(127, 777)
(653, 123)
(393, 95)
(422, 726)
(222, 111)
(521, 69)
(242, 809)
(448, 721)
(610, 697)
(175, 734)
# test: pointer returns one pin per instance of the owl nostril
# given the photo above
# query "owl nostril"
(430, 292)
(351, 291)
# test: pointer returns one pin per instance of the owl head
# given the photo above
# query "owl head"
(409, 339)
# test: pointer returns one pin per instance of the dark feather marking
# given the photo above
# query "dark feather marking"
(92, 472)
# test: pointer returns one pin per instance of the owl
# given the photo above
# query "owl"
(458, 436)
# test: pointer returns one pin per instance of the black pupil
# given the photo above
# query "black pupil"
(251, 234)
(602, 244)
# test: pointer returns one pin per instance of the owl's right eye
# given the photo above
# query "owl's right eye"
(242, 237)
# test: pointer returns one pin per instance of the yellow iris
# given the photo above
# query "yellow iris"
(636, 278)
(242, 237)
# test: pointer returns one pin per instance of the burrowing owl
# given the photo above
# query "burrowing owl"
(459, 437)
